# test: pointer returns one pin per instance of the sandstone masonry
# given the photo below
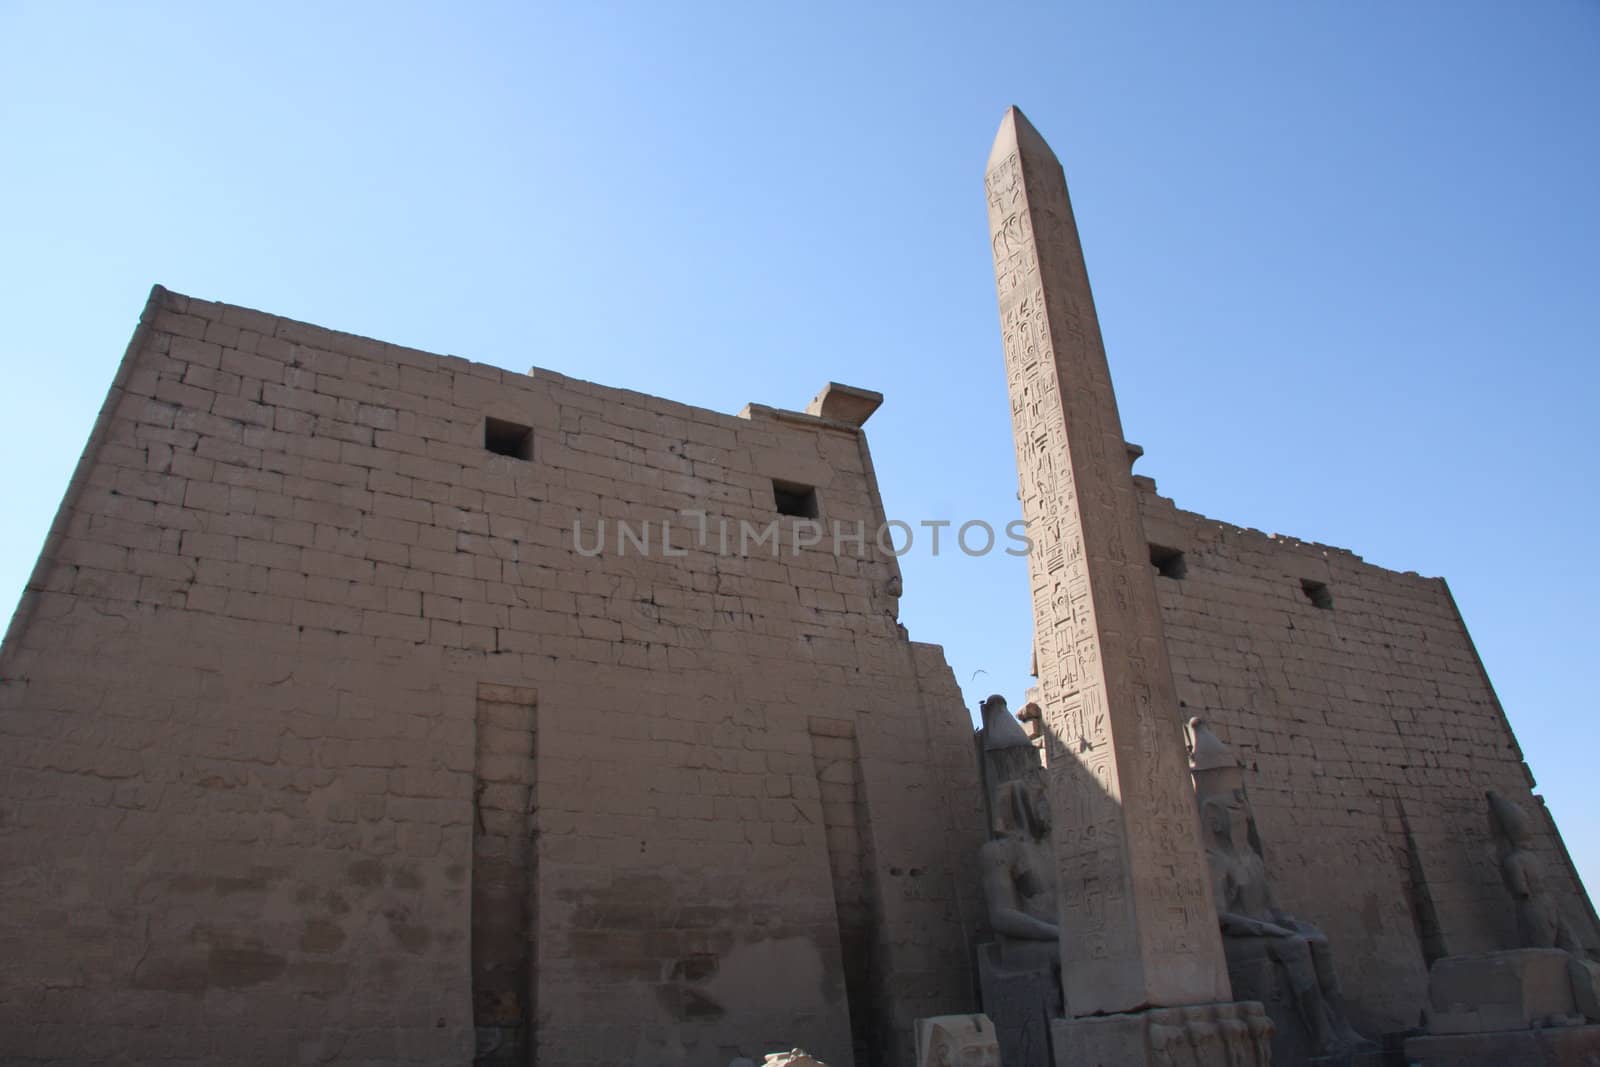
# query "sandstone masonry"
(320, 739)
(324, 737)
(1370, 733)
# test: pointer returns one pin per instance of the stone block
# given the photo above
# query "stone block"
(1515, 990)
(1022, 1004)
(845, 403)
(958, 1041)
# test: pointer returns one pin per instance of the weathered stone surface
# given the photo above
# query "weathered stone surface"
(1516, 990)
(1137, 919)
(1573, 1046)
(1237, 1034)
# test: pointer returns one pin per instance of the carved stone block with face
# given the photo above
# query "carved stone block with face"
(957, 1041)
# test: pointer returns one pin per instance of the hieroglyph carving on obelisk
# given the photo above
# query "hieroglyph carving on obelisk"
(1138, 926)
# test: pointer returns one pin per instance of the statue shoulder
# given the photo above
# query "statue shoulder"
(996, 851)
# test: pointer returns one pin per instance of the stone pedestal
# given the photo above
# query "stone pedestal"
(1567, 1046)
(1254, 976)
(1021, 1003)
(1236, 1034)
(1522, 989)
(1532, 1007)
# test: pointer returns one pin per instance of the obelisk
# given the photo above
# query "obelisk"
(1138, 926)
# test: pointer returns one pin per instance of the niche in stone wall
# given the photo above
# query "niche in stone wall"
(504, 870)
(837, 764)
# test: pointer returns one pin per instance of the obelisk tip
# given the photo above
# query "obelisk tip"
(1016, 134)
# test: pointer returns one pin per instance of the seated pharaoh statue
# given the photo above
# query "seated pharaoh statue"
(1545, 982)
(1273, 957)
(1019, 972)
(1019, 876)
(1546, 985)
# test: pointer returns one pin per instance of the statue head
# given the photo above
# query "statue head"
(1206, 750)
(1022, 807)
(1217, 776)
(1508, 820)
(1226, 822)
(957, 1041)
(1000, 727)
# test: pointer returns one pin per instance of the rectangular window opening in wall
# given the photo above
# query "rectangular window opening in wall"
(795, 499)
(1168, 562)
(1317, 593)
(508, 439)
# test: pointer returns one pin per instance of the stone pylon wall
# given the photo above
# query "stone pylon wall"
(1369, 733)
(303, 662)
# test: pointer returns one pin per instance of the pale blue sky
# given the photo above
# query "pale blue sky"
(1346, 255)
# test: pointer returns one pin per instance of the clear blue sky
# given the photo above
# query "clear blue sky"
(1346, 255)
